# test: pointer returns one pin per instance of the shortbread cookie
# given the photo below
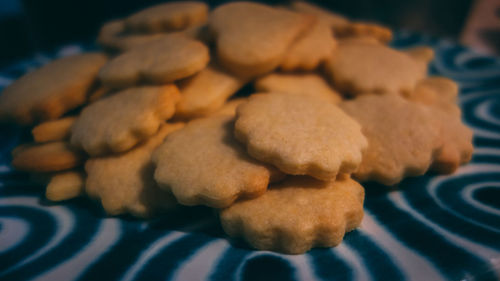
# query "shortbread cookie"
(310, 50)
(46, 157)
(308, 84)
(299, 134)
(172, 16)
(456, 139)
(52, 90)
(402, 137)
(251, 38)
(203, 164)
(206, 92)
(125, 183)
(170, 58)
(359, 68)
(331, 18)
(65, 185)
(362, 29)
(298, 214)
(118, 122)
(55, 130)
(438, 92)
(229, 108)
(421, 53)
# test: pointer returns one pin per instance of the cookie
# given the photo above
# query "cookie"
(55, 130)
(380, 33)
(402, 137)
(456, 142)
(438, 92)
(124, 183)
(165, 60)
(331, 18)
(299, 134)
(251, 39)
(229, 108)
(203, 164)
(206, 92)
(307, 84)
(65, 185)
(358, 68)
(171, 16)
(120, 121)
(52, 90)
(296, 215)
(311, 50)
(47, 157)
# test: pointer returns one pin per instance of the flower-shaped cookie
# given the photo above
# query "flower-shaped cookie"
(298, 214)
(204, 164)
(300, 134)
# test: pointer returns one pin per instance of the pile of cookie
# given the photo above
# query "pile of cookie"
(151, 123)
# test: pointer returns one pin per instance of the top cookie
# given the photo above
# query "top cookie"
(299, 134)
(165, 60)
(251, 38)
(171, 16)
(359, 68)
(52, 90)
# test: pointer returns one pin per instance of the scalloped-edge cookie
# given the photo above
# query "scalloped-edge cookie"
(299, 134)
(298, 214)
(329, 17)
(202, 164)
(173, 57)
(359, 68)
(402, 137)
(54, 130)
(251, 38)
(47, 157)
(124, 183)
(308, 84)
(66, 185)
(206, 91)
(52, 90)
(120, 121)
(172, 16)
(311, 50)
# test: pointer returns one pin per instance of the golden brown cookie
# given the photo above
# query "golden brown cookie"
(330, 17)
(172, 16)
(299, 134)
(165, 60)
(298, 214)
(206, 92)
(421, 53)
(402, 137)
(52, 90)
(125, 183)
(364, 30)
(311, 50)
(307, 84)
(120, 121)
(65, 185)
(251, 38)
(438, 92)
(203, 164)
(47, 157)
(54, 130)
(359, 68)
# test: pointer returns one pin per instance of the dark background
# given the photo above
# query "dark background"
(27, 26)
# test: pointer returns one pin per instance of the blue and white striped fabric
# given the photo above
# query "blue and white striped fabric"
(431, 228)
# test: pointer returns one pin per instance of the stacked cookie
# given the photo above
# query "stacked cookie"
(152, 125)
